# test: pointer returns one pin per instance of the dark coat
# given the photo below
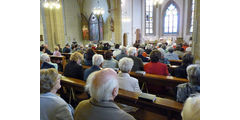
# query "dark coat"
(138, 64)
(46, 65)
(73, 70)
(88, 71)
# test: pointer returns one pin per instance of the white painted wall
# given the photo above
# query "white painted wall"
(72, 21)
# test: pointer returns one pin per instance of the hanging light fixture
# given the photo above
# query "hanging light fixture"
(158, 2)
(51, 4)
(98, 10)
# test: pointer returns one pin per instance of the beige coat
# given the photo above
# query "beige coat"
(93, 110)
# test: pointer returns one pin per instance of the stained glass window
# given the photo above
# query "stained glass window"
(171, 20)
(192, 16)
(149, 17)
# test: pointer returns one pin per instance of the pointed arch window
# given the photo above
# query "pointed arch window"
(192, 16)
(171, 18)
(149, 17)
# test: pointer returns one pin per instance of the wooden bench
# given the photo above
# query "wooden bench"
(62, 58)
(147, 80)
(175, 62)
(163, 106)
(67, 55)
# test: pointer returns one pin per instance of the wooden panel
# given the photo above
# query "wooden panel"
(160, 106)
(175, 62)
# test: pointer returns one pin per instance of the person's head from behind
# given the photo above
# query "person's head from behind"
(49, 80)
(155, 56)
(193, 72)
(103, 85)
(125, 64)
(164, 46)
(140, 51)
(117, 46)
(187, 59)
(42, 49)
(97, 59)
(45, 57)
(89, 54)
(77, 57)
(108, 55)
(123, 50)
(178, 48)
(170, 50)
(191, 108)
(132, 51)
(56, 48)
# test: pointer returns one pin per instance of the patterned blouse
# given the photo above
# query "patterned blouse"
(185, 90)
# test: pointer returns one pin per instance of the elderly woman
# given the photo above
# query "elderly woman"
(170, 55)
(109, 62)
(88, 57)
(127, 82)
(191, 108)
(74, 67)
(193, 86)
(47, 62)
(156, 67)
(181, 71)
(140, 52)
(52, 107)
(137, 62)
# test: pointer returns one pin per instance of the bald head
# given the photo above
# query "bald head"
(103, 85)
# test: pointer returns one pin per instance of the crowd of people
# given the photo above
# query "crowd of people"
(109, 72)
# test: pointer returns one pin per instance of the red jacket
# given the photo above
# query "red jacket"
(156, 68)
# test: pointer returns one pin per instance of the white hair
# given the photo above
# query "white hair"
(123, 49)
(193, 72)
(45, 57)
(125, 64)
(97, 59)
(102, 91)
(191, 108)
(140, 51)
(132, 51)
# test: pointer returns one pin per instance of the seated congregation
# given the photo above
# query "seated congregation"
(106, 69)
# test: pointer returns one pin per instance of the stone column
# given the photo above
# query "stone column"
(117, 22)
(196, 33)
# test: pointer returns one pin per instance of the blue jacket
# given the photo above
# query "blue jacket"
(46, 65)
(88, 71)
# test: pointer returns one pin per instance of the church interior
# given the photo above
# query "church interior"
(151, 47)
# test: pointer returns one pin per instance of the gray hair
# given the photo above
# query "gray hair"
(97, 59)
(140, 51)
(193, 72)
(45, 57)
(125, 64)
(100, 85)
(191, 108)
(170, 49)
(132, 51)
(123, 49)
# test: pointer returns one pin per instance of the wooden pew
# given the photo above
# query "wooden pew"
(62, 58)
(152, 79)
(163, 106)
(67, 55)
(175, 62)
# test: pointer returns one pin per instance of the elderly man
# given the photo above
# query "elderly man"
(122, 54)
(137, 62)
(170, 55)
(103, 88)
(193, 86)
(140, 52)
(191, 108)
(47, 50)
(117, 51)
(97, 61)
